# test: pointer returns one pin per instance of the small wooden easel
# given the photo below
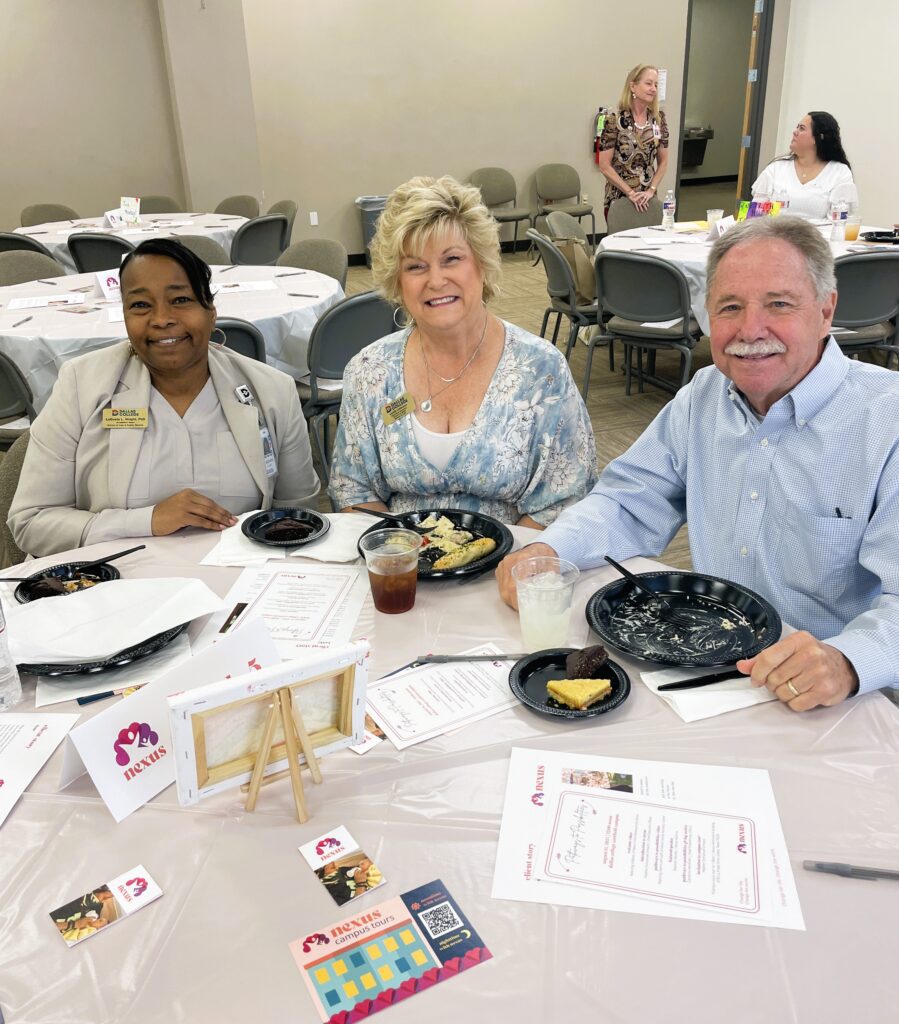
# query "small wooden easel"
(296, 738)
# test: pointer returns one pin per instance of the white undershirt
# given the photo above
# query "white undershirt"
(438, 449)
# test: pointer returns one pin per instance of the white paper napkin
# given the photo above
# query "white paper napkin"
(705, 701)
(337, 545)
(96, 623)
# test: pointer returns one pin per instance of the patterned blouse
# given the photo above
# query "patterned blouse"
(529, 451)
(635, 149)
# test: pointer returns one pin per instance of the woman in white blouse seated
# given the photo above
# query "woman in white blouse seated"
(815, 174)
(161, 431)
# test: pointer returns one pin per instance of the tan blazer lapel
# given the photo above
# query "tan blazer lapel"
(124, 445)
(244, 423)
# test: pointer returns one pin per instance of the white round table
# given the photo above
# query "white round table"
(285, 313)
(55, 236)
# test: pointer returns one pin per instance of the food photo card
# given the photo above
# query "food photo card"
(86, 915)
(387, 953)
(341, 866)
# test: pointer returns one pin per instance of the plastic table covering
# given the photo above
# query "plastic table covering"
(214, 947)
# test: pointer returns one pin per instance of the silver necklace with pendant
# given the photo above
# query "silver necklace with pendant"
(427, 404)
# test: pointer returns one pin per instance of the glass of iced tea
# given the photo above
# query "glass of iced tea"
(391, 557)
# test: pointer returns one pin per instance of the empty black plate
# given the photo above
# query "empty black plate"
(255, 526)
(104, 572)
(891, 237)
(474, 522)
(528, 679)
(718, 622)
(129, 654)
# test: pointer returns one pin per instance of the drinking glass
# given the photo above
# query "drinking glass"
(545, 587)
(391, 557)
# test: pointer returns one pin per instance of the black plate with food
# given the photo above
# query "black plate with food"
(285, 527)
(711, 621)
(890, 237)
(135, 653)
(460, 530)
(64, 579)
(528, 679)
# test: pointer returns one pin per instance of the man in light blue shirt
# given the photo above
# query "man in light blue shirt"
(784, 460)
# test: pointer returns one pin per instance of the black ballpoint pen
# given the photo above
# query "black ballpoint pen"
(849, 870)
(692, 684)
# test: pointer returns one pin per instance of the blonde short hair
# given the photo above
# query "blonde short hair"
(422, 209)
(634, 75)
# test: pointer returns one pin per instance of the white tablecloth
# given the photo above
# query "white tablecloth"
(55, 235)
(214, 948)
(51, 336)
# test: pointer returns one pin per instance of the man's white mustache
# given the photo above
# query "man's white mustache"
(754, 348)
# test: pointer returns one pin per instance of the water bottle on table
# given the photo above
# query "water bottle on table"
(839, 213)
(10, 687)
(669, 207)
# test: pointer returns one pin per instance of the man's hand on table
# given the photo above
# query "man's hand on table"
(800, 664)
(189, 508)
(504, 570)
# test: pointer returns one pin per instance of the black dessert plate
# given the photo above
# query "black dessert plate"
(890, 237)
(129, 654)
(102, 573)
(717, 622)
(255, 527)
(474, 522)
(528, 679)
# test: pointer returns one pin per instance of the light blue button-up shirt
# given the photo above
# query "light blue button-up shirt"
(801, 506)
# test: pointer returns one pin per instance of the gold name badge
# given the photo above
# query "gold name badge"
(397, 408)
(125, 419)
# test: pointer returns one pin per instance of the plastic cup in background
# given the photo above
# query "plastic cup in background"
(391, 557)
(852, 227)
(545, 587)
(713, 216)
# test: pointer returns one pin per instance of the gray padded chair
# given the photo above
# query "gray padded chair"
(46, 213)
(239, 206)
(868, 302)
(556, 183)
(258, 242)
(10, 241)
(623, 215)
(562, 225)
(242, 337)
(321, 254)
(340, 332)
(499, 192)
(206, 248)
(160, 204)
(20, 265)
(637, 289)
(16, 402)
(92, 251)
(562, 293)
(10, 471)
(287, 208)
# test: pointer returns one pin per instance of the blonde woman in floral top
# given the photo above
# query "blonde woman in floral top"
(493, 422)
(633, 148)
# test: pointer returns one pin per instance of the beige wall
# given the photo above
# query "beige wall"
(84, 105)
(355, 96)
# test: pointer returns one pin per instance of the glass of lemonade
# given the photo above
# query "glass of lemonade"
(545, 587)
(391, 557)
(852, 228)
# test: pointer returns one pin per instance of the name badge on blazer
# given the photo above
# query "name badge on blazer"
(397, 408)
(125, 419)
(245, 397)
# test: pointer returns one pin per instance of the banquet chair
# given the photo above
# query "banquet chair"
(239, 206)
(556, 183)
(21, 265)
(207, 249)
(243, 337)
(92, 251)
(637, 289)
(258, 242)
(623, 215)
(287, 208)
(868, 303)
(46, 213)
(16, 402)
(562, 293)
(339, 333)
(160, 204)
(10, 241)
(561, 225)
(500, 193)
(323, 255)
(10, 471)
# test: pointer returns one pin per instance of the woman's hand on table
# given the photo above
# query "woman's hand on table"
(504, 570)
(803, 672)
(188, 508)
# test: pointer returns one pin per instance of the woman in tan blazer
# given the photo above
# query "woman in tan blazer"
(162, 431)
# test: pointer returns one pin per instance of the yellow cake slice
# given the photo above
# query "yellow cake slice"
(579, 693)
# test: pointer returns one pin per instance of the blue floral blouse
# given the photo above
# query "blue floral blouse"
(529, 451)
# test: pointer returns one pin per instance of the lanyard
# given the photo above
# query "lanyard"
(245, 397)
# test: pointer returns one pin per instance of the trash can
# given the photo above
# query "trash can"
(370, 208)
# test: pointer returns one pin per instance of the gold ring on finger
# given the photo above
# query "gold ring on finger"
(792, 688)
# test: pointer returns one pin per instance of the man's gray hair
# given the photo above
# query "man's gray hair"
(793, 230)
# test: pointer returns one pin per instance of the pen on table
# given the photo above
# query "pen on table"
(294, 274)
(47, 282)
(849, 870)
(692, 684)
(226, 269)
(19, 323)
(302, 295)
(90, 698)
